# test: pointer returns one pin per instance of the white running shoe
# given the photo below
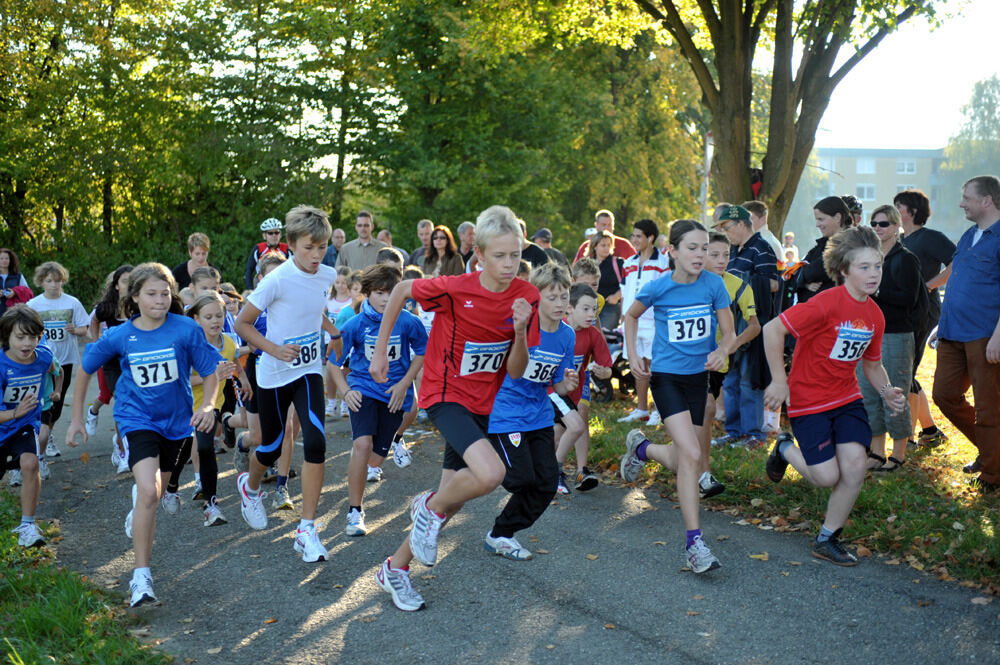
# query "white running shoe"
(121, 465)
(90, 424)
(44, 471)
(637, 414)
(401, 454)
(15, 478)
(356, 523)
(374, 474)
(171, 502)
(52, 450)
(197, 494)
(213, 516)
(307, 543)
(141, 587)
(28, 535)
(508, 548)
(631, 466)
(397, 582)
(128, 518)
(251, 507)
(331, 407)
(700, 558)
(418, 501)
(281, 500)
(343, 408)
(424, 534)
(654, 418)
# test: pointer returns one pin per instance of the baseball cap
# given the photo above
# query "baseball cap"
(733, 214)
(544, 234)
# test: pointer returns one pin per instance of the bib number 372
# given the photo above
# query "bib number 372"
(483, 357)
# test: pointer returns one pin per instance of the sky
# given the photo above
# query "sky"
(909, 92)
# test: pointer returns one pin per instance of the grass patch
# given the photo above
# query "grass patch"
(923, 516)
(52, 615)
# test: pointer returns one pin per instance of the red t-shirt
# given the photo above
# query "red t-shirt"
(834, 331)
(590, 344)
(467, 349)
(623, 249)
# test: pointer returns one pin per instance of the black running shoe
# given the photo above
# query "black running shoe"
(776, 464)
(228, 433)
(586, 480)
(983, 486)
(974, 466)
(833, 551)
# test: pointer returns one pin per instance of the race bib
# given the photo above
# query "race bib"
(483, 357)
(153, 368)
(394, 351)
(20, 387)
(689, 324)
(851, 343)
(308, 349)
(55, 331)
(542, 366)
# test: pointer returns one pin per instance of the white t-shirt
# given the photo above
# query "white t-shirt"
(333, 307)
(296, 304)
(59, 315)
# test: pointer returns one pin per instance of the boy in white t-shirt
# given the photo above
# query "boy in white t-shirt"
(290, 370)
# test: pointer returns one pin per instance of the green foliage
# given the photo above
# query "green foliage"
(976, 148)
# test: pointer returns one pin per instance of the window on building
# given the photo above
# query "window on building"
(865, 192)
(907, 166)
(866, 165)
(903, 188)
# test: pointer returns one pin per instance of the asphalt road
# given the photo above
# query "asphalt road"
(606, 584)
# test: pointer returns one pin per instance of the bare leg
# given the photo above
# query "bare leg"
(705, 435)
(642, 393)
(851, 463)
(147, 479)
(360, 456)
(31, 484)
(312, 485)
(684, 459)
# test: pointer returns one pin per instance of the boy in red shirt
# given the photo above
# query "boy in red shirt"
(484, 322)
(835, 329)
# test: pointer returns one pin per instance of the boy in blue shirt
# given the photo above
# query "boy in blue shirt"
(521, 424)
(376, 409)
(23, 365)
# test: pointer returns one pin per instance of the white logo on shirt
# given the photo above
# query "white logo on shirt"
(468, 304)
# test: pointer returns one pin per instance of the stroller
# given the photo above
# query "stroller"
(602, 389)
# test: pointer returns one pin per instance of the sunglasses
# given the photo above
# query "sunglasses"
(272, 233)
(881, 225)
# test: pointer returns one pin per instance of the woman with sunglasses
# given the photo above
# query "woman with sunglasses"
(902, 298)
(443, 257)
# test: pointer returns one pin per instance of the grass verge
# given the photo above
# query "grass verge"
(52, 615)
(923, 516)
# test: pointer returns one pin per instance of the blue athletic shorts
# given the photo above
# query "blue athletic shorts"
(375, 420)
(818, 434)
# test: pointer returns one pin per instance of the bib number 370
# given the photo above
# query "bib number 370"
(479, 357)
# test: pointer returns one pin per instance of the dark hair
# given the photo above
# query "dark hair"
(15, 265)
(715, 236)
(648, 228)
(412, 272)
(203, 301)
(853, 204)
(23, 317)
(916, 202)
(431, 258)
(141, 274)
(680, 228)
(834, 205)
(380, 277)
(580, 290)
(389, 255)
(523, 268)
(109, 307)
(205, 272)
(365, 213)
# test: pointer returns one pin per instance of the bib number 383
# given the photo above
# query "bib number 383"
(308, 349)
(55, 331)
(153, 368)
(689, 324)
(483, 357)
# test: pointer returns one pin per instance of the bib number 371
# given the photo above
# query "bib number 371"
(153, 368)
(480, 357)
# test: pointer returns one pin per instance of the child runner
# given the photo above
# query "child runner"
(376, 410)
(65, 319)
(688, 305)
(157, 349)
(23, 366)
(291, 371)
(834, 329)
(521, 421)
(51, 388)
(483, 325)
(340, 297)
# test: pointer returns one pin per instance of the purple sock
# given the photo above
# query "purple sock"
(691, 535)
(640, 452)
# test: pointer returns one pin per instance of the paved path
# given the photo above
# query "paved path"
(606, 586)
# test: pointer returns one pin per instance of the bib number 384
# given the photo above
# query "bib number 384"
(153, 368)
(308, 349)
(483, 357)
(689, 324)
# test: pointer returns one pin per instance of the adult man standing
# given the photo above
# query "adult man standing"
(604, 220)
(360, 253)
(934, 251)
(270, 229)
(333, 251)
(467, 240)
(751, 259)
(969, 333)
(425, 228)
(385, 235)
(543, 238)
(531, 252)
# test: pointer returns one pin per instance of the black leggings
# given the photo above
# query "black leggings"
(206, 459)
(306, 393)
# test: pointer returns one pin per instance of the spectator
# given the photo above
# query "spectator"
(360, 253)
(10, 276)
(543, 238)
(969, 333)
(444, 258)
(604, 220)
(831, 215)
(467, 240)
(333, 251)
(600, 249)
(198, 246)
(531, 252)
(424, 229)
(933, 250)
(270, 229)
(758, 220)
(789, 243)
(903, 302)
(855, 207)
(385, 235)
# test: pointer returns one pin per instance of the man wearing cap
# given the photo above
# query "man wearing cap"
(604, 220)
(270, 229)
(360, 253)
(543, 238)
(467, 240)
(752, 260)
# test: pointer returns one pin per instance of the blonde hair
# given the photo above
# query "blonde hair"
(586, 266)
(50, 268)
(203, 301)
(302, 221)
(494, 222)
(842, 248)
(198, 239)
(548, 275)
(890, 212)
(270, 260)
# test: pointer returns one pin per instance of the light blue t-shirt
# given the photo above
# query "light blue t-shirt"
(522, 405)
(685, 320)
(17, 381)
(345, 315)
(359, 336)
(154, 391)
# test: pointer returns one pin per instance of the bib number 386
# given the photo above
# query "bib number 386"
(479, 357)
(308, 349)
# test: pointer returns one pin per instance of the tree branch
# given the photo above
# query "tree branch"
(870, 45)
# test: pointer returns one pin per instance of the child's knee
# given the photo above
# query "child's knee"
(29, 464)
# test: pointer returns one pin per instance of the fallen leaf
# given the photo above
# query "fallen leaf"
(981, 600)
(958, 526)
(891, 518)
(188, 632)
(271, 620)
(550, 646)
(794, 563)
(756, 503)
(692, 614)
(541, 551)
(863, 551)
(187, 620)
(659, 542)
(214, 650)
(742, 523)
(785, 573)
(722, 537)
(893, 562)
(764, 556)
(609, 626)
(427, 577)
(703, 635)
(84, 457)
(338, 586)
(592, 557)
(698, 597)
(923, 603)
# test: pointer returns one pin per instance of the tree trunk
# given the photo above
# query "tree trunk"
(107, 203)
(12, 196)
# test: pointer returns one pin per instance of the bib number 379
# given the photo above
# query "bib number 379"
(689, 324)
(480, 357)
